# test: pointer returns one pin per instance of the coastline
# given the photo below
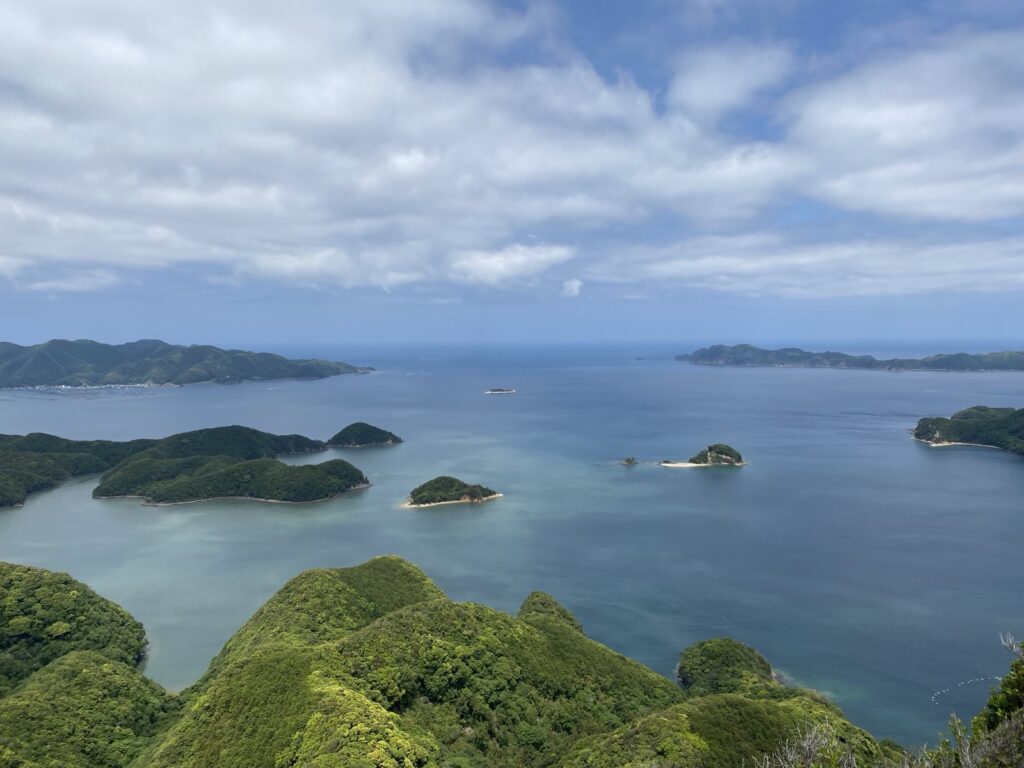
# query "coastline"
(147, 503)
(948, 444)
(154, 385)
(690, 464)
(880, 369)
(407, 504)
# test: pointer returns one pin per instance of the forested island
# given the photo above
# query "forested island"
(717, 455)
(363, 435)
(449, 490)
(84, 363)
(220, 462)
(374, 667)
(747, 355)
(980, 425)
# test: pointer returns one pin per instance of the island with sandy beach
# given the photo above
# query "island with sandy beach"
(716, 455)
(448, 490)
(981, 425)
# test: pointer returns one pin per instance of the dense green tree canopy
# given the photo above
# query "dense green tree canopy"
(373, 667)
(980, 425)
(446, 489)
(44, 615)
(360, 434)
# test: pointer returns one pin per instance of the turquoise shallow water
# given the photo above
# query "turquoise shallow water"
(859, 562)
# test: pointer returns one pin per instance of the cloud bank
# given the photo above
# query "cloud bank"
(462, 143)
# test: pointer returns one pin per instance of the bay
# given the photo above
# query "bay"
(861, 563)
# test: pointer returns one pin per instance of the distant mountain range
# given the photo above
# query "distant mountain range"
(84, 363)
(747, 355)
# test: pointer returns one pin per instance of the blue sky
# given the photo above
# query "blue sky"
(389, 170)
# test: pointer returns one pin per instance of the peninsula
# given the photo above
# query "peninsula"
(220, 462)
(980, 425)
(449, 490)
(374, 665)
(363, 435)
(717, 455)
(84, 363)
(748, 356)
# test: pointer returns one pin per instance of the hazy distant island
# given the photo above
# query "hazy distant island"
(717, 455)
(449, 490)
(362, 435)
(747, 355)
(374, 665)
(980, 425)
(84, 363)
(221, 462)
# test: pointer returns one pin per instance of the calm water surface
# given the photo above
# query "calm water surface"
(859, 562)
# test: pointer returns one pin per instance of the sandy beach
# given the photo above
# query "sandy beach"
(689, 464)
(407, 504)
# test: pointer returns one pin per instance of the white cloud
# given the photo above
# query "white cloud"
(571, 288)
(937, 132)
(75, 281)
(712, 81)
(515, 262)
(394, 143)
(768, 263)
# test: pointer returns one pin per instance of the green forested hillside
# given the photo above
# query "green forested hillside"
(175, 481)
(89, 363)
(44, 615)
(981, 425)
(373, 667)
(83, 710)
(205, 463)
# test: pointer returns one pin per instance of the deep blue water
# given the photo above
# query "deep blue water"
(861, 563)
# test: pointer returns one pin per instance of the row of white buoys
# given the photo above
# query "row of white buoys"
(988, 678)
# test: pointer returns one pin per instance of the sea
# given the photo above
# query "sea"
(861, 563)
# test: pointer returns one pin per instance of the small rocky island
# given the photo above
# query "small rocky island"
(363, 435)
(449, 490)
(717, 455)
(980, 425)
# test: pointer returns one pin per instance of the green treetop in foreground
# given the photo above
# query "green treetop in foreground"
(373, 667)
(445, 489)
(44, 615)
(89, 363)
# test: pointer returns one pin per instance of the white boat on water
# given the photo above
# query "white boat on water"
(500, 391)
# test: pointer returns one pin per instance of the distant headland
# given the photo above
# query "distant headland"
(84, 363)
(749, 356)
(980, 425)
